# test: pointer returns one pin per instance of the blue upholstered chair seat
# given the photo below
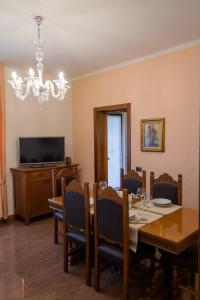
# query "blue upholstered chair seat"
(111, 252)
(59, 215)
(77, 237)
(114, 253)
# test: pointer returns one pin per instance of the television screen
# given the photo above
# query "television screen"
(41, 150)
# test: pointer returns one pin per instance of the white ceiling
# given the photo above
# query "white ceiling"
(86, 35)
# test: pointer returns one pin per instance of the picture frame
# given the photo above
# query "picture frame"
(152, 133)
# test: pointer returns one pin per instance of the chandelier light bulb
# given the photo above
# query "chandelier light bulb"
(14, 75)
(61, 75)
(40, 88)
(31, 72)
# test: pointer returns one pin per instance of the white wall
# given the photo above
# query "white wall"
(25, 119)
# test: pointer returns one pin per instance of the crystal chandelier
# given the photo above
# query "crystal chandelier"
(42, 90)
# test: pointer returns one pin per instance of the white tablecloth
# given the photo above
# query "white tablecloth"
(156, 209)
(144, 218)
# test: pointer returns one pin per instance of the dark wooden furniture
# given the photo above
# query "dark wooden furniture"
(32, 188)
(132, 181)
(57, 174)
(166, 187)
(77, 221)
(111, 232)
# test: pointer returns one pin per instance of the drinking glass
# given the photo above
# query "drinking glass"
(141, 193)
(147, 202)
(103, 185)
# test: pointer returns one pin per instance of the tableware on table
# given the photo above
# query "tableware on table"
(139, 217)
(147, 201)
(162, 202)
(141, 193)
(138, 222)
(160, 205)
(103, 185)
(135, 199)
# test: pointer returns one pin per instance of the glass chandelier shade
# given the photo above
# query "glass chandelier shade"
(42, 90)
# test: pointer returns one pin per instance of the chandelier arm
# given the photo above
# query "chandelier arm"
(18, 92)
(56, 96)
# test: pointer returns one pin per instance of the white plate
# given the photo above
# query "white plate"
(162, 202)
(163, 205)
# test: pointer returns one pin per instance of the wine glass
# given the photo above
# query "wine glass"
(141, 193)
(103, 185)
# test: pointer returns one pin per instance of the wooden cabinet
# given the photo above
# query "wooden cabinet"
(32, 188)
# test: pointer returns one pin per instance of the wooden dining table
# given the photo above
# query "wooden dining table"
(173, 233)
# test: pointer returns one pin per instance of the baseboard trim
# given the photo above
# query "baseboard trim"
(9, 219)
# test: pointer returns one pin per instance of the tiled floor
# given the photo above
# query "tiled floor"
(31, 267)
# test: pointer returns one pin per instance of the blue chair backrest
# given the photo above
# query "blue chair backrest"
(165, 190)
(131, 185)
(74, 209)
(110, 219)
(68, 179)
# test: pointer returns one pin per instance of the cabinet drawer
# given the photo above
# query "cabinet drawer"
(40, 174)
(39, 193)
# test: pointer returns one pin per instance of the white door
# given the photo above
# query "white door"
(114, 135)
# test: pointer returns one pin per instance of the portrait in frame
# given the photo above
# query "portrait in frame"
(152, 135)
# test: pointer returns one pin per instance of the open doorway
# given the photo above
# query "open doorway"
(112, 142)
(116, 146)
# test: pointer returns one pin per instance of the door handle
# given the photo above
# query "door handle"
(108, 158)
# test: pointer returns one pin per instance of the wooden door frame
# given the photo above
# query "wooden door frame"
(125, 107)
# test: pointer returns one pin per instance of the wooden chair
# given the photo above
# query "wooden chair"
(77, 221)
(111, 232)
(57, 174)
(132, 181)
(166, 187)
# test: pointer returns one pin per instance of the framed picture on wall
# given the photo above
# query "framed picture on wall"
(152, 135)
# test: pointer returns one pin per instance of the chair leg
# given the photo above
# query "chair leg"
(125, 280)
(65, 254)
(96, 272)
(55, 231)
(88, 268)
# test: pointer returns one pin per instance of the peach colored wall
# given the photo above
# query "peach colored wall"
(167, 86)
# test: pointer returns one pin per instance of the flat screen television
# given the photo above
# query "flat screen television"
(41, 150)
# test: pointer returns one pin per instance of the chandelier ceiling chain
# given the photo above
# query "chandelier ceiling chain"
(42, 90)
